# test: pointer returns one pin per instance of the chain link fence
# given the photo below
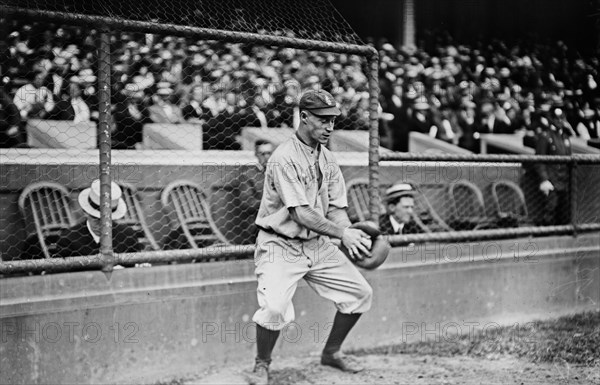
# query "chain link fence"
(181, 105)
(476, 197)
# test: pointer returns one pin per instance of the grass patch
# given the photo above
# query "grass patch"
(573, 339)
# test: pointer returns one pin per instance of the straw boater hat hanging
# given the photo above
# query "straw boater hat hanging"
(89, 200)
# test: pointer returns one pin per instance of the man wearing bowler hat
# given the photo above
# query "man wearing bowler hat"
(400, 204)
(84, 238)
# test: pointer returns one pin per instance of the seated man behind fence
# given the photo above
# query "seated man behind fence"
(400, 204)
(84, 238)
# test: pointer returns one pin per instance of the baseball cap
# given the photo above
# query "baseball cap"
(319, 102)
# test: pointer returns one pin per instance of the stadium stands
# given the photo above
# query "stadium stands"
(453, 99)
(461, 92)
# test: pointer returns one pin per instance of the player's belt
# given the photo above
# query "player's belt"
(271, 231)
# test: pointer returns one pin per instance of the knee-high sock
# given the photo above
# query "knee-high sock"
(342, 324)
(265, 342)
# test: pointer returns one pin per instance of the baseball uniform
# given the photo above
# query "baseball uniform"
(298, 175)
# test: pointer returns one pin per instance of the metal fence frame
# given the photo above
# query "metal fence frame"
(572, 161)
(106, 260)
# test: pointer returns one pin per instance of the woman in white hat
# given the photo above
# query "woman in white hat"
(84, 238)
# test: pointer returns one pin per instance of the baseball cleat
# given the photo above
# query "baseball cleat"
(341, 362)
(260, 374)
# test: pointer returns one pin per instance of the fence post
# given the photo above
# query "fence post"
(373, 77)
(573, 183)
(104, 141)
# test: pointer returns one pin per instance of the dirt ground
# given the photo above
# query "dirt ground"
(412, 369)
(564, 350)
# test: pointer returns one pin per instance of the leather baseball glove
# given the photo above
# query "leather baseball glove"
(380, 247)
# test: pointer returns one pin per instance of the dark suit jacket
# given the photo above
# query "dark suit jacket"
(385, 225)
(499, 127)
(220, 132)
(191, 112)
(242, 197)
(553, 142)
(78, 241)
(129, 129)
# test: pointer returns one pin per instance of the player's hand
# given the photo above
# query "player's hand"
(546, 186)
(355, 241)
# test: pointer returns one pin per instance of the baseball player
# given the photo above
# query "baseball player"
(301, 211)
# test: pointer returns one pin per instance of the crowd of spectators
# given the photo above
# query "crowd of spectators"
(449, 91)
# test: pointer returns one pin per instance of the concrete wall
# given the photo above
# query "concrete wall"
(141, 325)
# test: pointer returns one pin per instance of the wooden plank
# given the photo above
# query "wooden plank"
(422, 143)
(580, 146)
(511, 143)
(61, 134)
(274, 135)
(161, 136)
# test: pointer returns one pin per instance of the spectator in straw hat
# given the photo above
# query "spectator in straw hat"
(11, 131)
(130, 115)
(33, 99)
(71, 106)
(84, 238)
(420, 117)
(469, 137)
(87, 82)
(164, 110)
(400, 205)
(194, 111)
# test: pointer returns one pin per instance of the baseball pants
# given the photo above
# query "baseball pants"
(281, 263)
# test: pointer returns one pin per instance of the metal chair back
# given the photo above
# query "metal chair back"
(509, 201)
(358, 200)
(467, 206)
(47, 206)
(134, 217)
(193, 213)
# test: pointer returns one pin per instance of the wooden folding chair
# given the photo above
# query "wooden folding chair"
(358, 200)
(134, 217)
(425, 214)
(47, 206)
(467, 207)
(509, 205)
(193, 214)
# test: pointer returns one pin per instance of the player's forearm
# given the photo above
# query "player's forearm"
(313, 221)
(339, 216)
